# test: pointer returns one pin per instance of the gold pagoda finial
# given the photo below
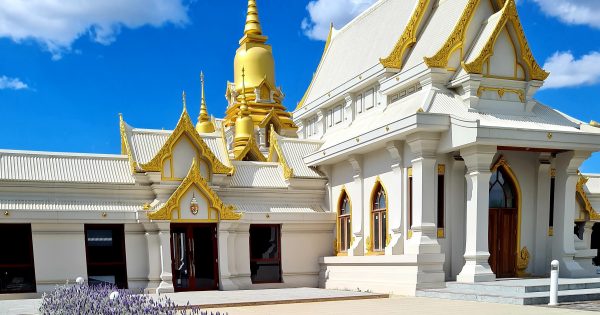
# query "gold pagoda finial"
(244, 127)
(183, 100)
(204, 125)
(252, 22)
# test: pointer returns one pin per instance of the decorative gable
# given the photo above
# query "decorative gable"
(502, 49)
(184, 145)
(194, 200)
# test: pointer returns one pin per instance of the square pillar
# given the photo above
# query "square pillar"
(166, 274)
(563, 243)
(478, 160)
(357, 247)
(541, 263)
(424, 229)
(396, 241)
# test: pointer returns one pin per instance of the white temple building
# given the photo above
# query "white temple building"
(417, 156)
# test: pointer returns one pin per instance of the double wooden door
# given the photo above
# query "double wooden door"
(194, 259)
(502, 236)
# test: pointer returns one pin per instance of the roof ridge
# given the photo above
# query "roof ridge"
(359, 17)
(63, 154)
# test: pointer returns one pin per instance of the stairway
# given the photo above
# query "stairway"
(518, 291)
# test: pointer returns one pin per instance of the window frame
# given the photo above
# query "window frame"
(342, 218)
(268, 260)
(112, 265)
(382, 239)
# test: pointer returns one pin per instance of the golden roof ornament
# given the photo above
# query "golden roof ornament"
(205, 124)
(252, 22)
(194, 205)
(183, 100)
(244, 127)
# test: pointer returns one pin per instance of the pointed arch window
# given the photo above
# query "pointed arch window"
(501, 191)
(379, 218)
(344, 223)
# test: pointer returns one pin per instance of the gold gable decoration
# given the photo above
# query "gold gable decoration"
(594, 216)
(509, 14)
(275, 148)
(194, 178)
(408, 38)
(456, 39)
(251, 152)
(125, 147)
(185, 127)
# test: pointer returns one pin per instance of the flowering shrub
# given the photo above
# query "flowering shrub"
(102, 299)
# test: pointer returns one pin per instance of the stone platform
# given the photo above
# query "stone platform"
(518, 291)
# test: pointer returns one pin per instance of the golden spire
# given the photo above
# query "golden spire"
(205, 124)
(244, 127)
(252, 22)
(183, 100)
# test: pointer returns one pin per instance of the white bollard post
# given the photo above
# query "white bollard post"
(554, 283)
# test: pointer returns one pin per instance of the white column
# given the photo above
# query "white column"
(455, 215)
(541, 261)
(396, 244)
(357, 248)
(587, 233)
(424, 237)
(166, 275)
(478, 160)
(563, 244)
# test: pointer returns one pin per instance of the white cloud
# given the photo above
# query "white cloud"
(56, 24)
(580, 12)
(566, 71)
(324, 12)
(7, 83)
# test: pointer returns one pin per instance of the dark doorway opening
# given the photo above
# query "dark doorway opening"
(105, 254)
(265, 253)
(194, 257)
(17, 271)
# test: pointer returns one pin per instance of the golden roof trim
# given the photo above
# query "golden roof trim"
(509, 14)
(312, 81)
(185, 126)
(226, 212)
(595, 216)
(408, 38)
(125, 147)
(456, 39)
(251, 148)
(288, 172)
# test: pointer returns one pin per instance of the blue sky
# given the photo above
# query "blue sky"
(68, 69)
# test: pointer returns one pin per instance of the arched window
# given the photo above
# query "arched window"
(344, 223)
(501, 191)
(379, 218)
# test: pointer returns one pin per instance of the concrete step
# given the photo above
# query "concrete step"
(526, 285)
(528, 298)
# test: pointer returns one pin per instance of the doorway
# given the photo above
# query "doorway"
(194, 258)
(503, 224)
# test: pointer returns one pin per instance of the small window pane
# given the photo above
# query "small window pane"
(497, 196)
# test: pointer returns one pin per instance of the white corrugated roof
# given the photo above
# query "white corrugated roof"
(541, 118)
(72, 205)
(245, 206)
(145, 144)
(65, 167)
(485, 34)
(358, 46)
(437, 31)
(294, 151)
(257, 175)
(593, 184)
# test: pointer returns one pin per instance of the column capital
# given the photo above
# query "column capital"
(356, 163)
(423, 144)
(395, 150)
(478, 158)
(572, 160)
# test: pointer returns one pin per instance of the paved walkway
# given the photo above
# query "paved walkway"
(208, 299)
(400, 305)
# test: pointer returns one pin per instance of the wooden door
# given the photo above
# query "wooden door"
(502, 236)
(503, 224)
(194, 260)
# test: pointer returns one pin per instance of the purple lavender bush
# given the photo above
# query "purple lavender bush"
(84, 299)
